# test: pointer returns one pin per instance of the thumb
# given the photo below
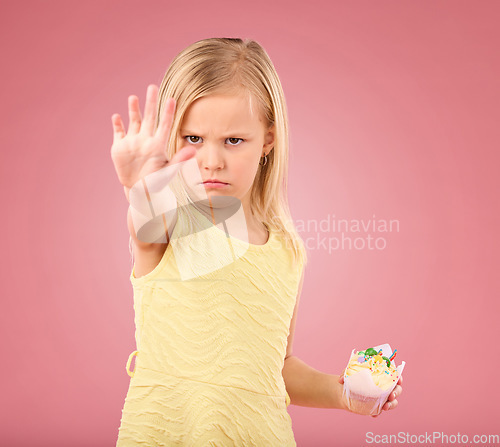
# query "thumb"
(159, 179)
(183, 154)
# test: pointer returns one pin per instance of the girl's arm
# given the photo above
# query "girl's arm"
(308, 387)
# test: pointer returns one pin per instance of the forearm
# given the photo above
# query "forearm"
(308, 387)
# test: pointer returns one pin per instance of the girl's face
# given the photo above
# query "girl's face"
(230, 137)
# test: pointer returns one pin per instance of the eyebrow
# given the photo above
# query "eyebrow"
(243, 134)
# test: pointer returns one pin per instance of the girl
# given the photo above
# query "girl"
(216, 286)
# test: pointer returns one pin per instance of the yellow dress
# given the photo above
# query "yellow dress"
(211, 348)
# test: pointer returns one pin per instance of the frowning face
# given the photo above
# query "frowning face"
(230, 137)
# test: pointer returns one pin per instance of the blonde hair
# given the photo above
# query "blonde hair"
(226, 65)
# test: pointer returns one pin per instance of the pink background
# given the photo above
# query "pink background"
(394, 113)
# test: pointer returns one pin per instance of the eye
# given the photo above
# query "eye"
(236, 144)
(188, 138)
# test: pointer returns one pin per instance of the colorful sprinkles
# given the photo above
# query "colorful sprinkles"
(372, 354)
(391, 358)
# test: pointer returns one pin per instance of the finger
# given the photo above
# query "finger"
(400, 381)
(118, 129)
(398, 390)
(183, 154)
(390, 405)
(134, 115)
(150, 110)
(166, 120)
(341, 377)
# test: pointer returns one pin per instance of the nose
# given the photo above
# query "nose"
(212, 157)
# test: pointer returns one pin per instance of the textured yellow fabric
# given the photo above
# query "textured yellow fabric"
(211, 349)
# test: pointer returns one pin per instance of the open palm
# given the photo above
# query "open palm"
(142, 150)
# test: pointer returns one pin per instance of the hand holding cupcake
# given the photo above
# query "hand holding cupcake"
(372, 381)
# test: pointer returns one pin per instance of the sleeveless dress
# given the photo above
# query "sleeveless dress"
(211, 348)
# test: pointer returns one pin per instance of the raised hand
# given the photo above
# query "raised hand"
(143, 150)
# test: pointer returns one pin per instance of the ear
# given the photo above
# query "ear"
(269, 139)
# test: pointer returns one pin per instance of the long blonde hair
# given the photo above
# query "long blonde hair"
(218, 65)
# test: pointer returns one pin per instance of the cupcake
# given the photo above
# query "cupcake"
(369, 378)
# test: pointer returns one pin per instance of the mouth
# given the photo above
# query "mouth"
(214, 182)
